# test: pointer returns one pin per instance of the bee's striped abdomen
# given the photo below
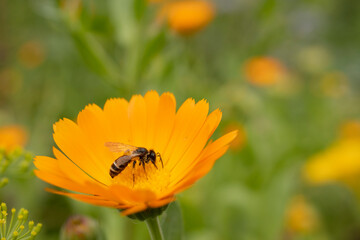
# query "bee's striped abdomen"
(119, 165)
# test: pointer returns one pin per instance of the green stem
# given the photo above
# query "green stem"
(153, 225)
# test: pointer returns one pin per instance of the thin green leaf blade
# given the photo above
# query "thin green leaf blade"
(172, 222)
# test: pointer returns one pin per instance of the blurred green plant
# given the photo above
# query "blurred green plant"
(14, 164)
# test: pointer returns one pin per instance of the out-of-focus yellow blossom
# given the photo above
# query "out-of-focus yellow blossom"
(264, 71)
(340, 162)
(334, 84)
(240, 139)
(31, 54)
(11, 137)
(301, 218)
(188, 16)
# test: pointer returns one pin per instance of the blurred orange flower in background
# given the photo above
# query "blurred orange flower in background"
(12, 137)
(188, 16)
(264, 71)
(82, 166)
(155, 1)
(301, 217)
(31, 54)
(350, 129)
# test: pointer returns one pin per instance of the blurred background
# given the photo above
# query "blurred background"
(285, 73)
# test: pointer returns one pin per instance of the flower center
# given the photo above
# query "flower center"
(148, 177)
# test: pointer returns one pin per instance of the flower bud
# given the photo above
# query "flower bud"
(80, 227)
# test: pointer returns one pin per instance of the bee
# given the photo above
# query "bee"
(131, 153)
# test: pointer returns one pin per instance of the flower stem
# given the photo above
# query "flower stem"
(153, 225)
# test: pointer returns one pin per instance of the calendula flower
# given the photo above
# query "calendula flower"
(12, 137)
(188, 16)
(82, 163)
(301, 217)
(16, 226)
(264, 71)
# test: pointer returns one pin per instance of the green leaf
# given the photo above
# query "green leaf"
(152, 48)
(172, 222)
(139, 8)
(93, 53)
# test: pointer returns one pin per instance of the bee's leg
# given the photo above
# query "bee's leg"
(143, 163)
(154, 163)
(158, 155)
(134, 163)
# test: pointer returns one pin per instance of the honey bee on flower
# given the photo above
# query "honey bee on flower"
(179, 137)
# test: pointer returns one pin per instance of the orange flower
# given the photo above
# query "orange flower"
(189, 16)
(301, 217)
(82, 166)
(11, 137)
(264, 71)
(31, 54)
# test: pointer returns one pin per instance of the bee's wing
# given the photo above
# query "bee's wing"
(120, 147)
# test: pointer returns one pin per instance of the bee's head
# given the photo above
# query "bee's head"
(152, 155)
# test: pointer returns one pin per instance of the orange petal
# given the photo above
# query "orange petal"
(116, 114)
(63, 182)
(135, 209)
(132, 196)
(190, 179)
(152, 104)
(205, 161)
(186, 129)
(47, 164)
(95, 200)
(162, 202)
(71, 170)
(164, 121)
(138, 118)
(91, 121)
(189, 158)
(77, 147)
(222, 141)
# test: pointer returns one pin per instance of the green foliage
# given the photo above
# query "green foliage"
(172, 222)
